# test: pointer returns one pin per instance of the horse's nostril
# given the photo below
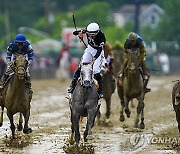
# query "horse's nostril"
(87, 83)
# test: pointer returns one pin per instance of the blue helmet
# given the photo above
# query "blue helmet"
(20, 38)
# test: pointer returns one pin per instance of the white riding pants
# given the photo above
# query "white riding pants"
(88, 55)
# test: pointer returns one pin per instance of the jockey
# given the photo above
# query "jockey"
(19, 46)
(109, 55)
(134, 41)
(94, 52)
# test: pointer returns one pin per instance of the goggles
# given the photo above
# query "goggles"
(20, 44)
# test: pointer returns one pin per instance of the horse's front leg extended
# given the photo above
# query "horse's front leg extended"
(90, 123)
(108, 107)
(19, 127)
(12, 126)
(71, 139)
(1, 115)
(126, 103)
(122, 118)
(140, 109)
(75, 123)
(26, 129)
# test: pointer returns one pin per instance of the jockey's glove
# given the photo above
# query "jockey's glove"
(10, 63)
(76, 32)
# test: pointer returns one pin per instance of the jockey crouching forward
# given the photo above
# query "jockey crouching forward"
(19, 46)
(94, 52)
(109, 55)
(134, 41)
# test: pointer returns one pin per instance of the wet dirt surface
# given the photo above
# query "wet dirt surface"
(50, 121)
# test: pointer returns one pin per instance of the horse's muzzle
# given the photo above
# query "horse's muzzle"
(86, 84)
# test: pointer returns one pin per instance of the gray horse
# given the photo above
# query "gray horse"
(108, 89)
(132, 87)
(84, 103)
(16, 97)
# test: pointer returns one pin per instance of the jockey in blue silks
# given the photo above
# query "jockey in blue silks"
(19, 46)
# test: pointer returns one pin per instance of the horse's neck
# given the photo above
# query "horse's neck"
(17, 84)
(134, 78)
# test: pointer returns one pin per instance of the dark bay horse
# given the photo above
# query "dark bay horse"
(132, 87)
(176, 101)
(108, 89)
(84, 103)
(16, 96)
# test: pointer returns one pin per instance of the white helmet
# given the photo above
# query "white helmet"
(92, 28)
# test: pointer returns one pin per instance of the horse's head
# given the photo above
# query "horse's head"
(178, 93)
(20, 66)
(133, 60)
(86, 75)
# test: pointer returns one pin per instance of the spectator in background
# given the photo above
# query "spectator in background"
(63, 63)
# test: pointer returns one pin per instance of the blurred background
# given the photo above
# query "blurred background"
(48, 25)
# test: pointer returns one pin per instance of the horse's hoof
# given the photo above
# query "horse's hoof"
(89, 137)
(121, 118)
(1, 124)
(19, 128)
(141, 125)
(27, 131)
(136, 125)
(71, 142)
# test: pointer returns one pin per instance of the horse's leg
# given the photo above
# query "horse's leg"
(108, 107)
(140, 109)
(19, 127)
(75, 124)
(71, 139)
(126, 105)
(12, 126)
(90, 123)
(26, 129)
(142, 125)
(1, 115)
(122, 118)
(98, 114)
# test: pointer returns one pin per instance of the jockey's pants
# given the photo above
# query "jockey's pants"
(88, 55)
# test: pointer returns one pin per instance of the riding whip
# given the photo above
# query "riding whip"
(74, 21)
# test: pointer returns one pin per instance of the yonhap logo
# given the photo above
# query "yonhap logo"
(140, 140)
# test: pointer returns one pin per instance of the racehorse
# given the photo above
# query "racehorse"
(108, 89)
(16, 96)
(132, 87)
(176, 101)
(84, 103)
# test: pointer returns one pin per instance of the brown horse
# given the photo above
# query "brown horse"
(16, 96)
(109, 87)
(132, 87)
(176, 101)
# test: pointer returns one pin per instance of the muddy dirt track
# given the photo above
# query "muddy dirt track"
(50, 121)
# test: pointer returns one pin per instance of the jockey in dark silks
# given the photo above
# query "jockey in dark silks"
(20, 46)
(134, 42)
(94, 52)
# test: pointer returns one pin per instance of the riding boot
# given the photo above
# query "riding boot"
(146, 78)
(3, 81)
(73, 83)
(99, 80)
(28, 82)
